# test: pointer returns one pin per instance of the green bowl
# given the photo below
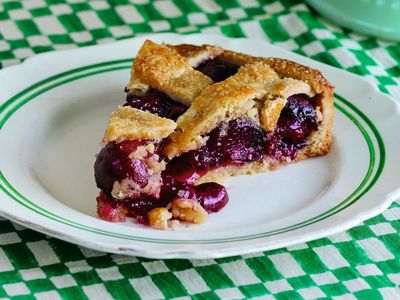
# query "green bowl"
(379, 18)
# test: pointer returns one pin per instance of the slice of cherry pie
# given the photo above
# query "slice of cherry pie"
(195, 115)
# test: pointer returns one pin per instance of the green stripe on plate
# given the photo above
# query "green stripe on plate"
(57, 80)
(58, 76)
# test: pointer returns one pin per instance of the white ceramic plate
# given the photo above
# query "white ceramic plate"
(54, 111)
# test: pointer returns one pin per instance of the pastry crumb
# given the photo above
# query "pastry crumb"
(159, 217)
(188, 210)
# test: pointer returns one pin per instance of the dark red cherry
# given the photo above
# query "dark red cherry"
(299, 108)
(243, 143)
(182, 169)
(237, 142)
(151, 102)
(217, 69)
(157, 103)
(297, 120)
(212, 196)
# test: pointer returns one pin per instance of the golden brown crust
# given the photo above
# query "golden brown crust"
(288, 87)
(128, 123)
(267, 164)
(162, 67)
(221, 174)
(270, 113)
(197, 54)
(284, 67)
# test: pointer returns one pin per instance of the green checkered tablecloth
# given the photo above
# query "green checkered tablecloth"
(362, 263)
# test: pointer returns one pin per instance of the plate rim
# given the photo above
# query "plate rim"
(384, 202)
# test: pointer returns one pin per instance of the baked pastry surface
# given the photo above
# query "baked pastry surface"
(195, 115)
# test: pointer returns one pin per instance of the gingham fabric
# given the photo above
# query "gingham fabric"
(362, 263)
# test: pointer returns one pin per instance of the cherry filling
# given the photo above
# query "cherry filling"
(217, 69)
(236, 142)
(156, 102)
(241, 141)
(212, 196)
(298, 118)
(115, 164)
